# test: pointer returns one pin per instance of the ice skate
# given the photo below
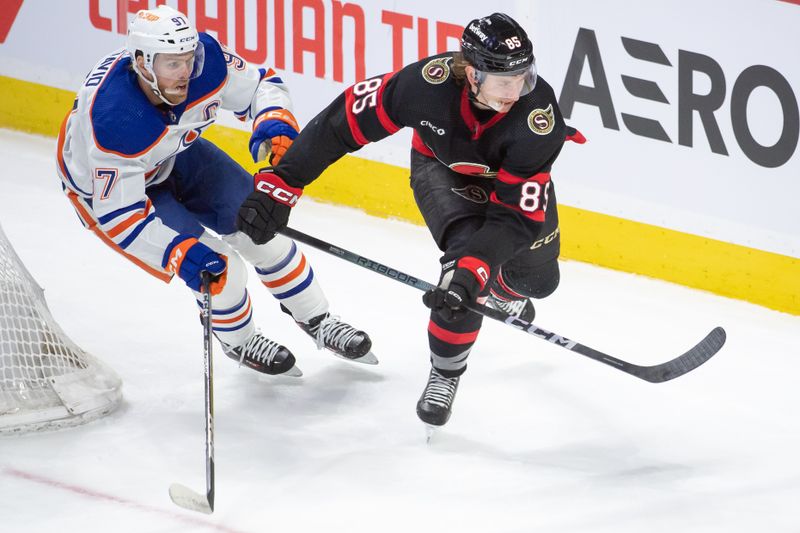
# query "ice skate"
(341, 338)
(430, 431)
(436, 403)
(522, 309)
(264, 355)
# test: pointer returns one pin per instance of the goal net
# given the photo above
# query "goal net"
(46, 380)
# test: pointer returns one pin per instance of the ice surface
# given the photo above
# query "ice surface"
(540, 439)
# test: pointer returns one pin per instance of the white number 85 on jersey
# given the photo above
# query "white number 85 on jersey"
(531, 198)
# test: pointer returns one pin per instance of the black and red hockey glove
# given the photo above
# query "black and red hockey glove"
(469, 279)
(266, 210)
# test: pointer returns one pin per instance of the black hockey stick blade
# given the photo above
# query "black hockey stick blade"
(180, 494)
(696, 356)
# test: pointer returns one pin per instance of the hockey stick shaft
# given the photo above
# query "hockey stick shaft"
(209, 388)
(687, 362)
(181, 494)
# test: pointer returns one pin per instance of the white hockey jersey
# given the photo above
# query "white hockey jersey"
(115, 143)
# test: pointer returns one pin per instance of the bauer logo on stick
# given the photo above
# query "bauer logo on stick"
(436, 71)
(541, 121)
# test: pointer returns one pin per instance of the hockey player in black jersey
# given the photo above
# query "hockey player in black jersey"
(487, 130)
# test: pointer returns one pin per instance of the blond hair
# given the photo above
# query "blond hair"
(458, 68)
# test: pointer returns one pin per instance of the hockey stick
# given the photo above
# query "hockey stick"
(180, 494)
(696, 356)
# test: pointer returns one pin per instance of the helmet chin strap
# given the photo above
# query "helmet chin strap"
(153, 84)
(493, 104)
(473, 96)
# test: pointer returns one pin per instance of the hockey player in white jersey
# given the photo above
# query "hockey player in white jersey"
(134, 165)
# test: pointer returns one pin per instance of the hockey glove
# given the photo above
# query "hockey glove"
(575, 136)
(468, 281)
(273, 132)
(266, 210)
(189, 258)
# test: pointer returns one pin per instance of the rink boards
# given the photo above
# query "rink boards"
(690, 172)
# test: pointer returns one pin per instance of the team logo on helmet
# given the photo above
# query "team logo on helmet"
(473, 193)
(436, 71)
(541, 121)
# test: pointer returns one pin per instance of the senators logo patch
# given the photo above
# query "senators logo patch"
(541, 121)
(436, 71)
(473, 193)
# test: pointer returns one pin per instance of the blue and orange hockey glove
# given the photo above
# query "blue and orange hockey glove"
(189, 258)
(274, 129)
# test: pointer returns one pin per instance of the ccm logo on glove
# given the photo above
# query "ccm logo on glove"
(274, 130)
(469, 278)
(272, 185)
(189, 258)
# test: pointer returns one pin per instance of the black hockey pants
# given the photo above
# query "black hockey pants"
(454, 207)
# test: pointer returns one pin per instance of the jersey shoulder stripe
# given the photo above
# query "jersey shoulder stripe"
(124, 122)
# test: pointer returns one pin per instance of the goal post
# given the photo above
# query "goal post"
(46, 380)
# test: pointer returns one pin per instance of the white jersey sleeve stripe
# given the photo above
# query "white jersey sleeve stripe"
(140, 205)
(134, 219)
(85, 214)
(137, 229)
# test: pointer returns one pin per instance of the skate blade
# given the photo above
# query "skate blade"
(293, 372)
(430, 431)
(290, 375)
(366, 359)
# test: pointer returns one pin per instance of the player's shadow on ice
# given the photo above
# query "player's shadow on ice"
(599, 462)
(322, 390)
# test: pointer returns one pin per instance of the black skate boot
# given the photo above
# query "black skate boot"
(263, 355)
(341, 338)
(522, 309)
(436, 402)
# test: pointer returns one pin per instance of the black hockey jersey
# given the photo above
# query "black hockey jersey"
(515, 149)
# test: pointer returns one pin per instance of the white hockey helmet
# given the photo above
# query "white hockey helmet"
(164, 30)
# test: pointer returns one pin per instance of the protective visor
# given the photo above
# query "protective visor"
(507, 85)
(180, 67)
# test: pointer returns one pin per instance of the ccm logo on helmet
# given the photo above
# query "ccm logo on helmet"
(518, 61)
(277, 192)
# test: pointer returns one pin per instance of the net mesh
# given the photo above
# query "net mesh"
(46, 380)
